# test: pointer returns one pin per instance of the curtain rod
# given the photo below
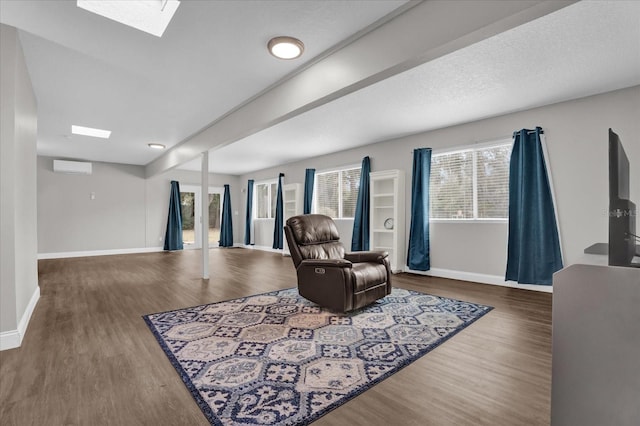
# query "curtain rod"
(531, 131)
(468, 146)
(496, 139)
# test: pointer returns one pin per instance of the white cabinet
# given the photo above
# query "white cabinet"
(291, 206)
(387, 228)
(596, 346)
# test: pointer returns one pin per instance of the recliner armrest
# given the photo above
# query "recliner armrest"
(366, 256)
(325, 263)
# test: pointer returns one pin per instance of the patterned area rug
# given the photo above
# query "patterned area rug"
(278, 359)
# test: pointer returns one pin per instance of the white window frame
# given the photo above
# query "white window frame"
(333, 170)
(475, 148)
(270, 195)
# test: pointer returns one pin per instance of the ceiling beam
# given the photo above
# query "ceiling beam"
(427, 31)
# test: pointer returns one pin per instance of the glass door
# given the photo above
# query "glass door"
(215, 217)
(188, 208)
(191, 218)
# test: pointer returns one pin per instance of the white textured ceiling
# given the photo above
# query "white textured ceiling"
(90, 71)
(584, 49)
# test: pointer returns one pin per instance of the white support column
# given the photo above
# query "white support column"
(204, 214)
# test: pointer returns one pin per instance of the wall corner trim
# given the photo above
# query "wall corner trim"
(13, 339)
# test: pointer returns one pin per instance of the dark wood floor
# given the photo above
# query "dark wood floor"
(88, 358)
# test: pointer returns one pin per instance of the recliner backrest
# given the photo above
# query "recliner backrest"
(315, 237)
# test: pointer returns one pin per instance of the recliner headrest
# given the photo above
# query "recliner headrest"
(313, 229)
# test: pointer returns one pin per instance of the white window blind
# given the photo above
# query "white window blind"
(451, 185)
(492, 166)
(471, 183)
(327, 198)
(350, 183)
(336, 193)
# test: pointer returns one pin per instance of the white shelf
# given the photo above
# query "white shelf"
(387, 202)
(292, 200)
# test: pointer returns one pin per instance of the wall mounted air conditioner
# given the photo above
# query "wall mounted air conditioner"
(73, 167)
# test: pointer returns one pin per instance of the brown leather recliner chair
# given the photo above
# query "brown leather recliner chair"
(326, 274)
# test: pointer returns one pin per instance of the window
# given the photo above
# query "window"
(471, 183)
(265, 202)
(336, 192)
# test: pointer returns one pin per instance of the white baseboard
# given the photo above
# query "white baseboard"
(10, 340)
(261, 248)
(480, 278)
(448, 273)
(88, 253)
(13, 339)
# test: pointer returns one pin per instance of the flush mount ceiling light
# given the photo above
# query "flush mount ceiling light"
(285, 47)
(156, 146)
(150, 16)
(88, 131)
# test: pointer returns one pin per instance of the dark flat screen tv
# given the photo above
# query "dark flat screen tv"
(622, 212)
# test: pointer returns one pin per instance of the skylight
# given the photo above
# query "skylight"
(88, 131)
(150, 16)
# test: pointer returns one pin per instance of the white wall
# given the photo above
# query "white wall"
(128, 211)
(69, 220)
(18, 247)
(576, 133)
(262, 232)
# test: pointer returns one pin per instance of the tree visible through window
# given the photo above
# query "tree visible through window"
(187, 210)
(471, 183)
(189, 215)
(336, 193)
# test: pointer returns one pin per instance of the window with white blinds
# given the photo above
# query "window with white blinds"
(492, 177)
(336, 193)
(350, 184)
(265, 200)
(471, 183)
